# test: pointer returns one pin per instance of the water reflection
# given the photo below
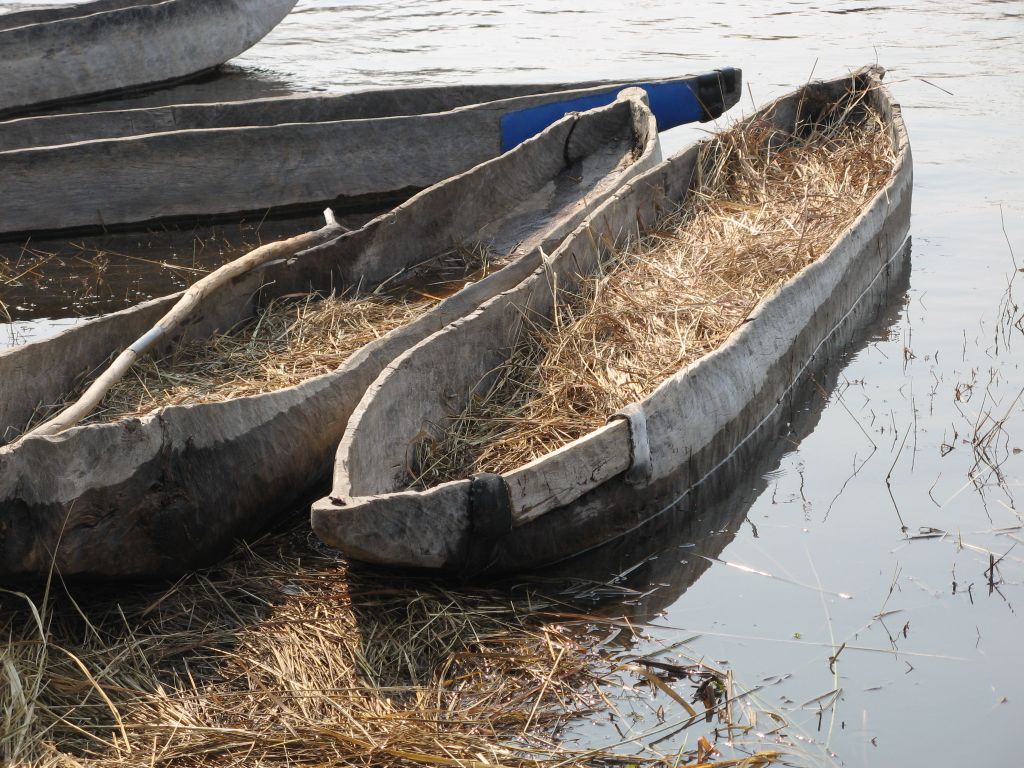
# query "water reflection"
(229, 83)
(48, 283)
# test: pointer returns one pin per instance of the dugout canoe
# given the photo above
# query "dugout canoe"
(575, 498)
(664, 541)
(55, 54)
(170, 491)
(128, 167)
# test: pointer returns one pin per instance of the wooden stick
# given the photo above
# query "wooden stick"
(192, 298)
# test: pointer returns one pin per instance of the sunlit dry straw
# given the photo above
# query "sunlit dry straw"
(764, 207)
(282, 657)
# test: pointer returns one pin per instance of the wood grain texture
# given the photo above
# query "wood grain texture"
(562, 476)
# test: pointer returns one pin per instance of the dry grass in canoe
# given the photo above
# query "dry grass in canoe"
(291, 340)
(764, 207)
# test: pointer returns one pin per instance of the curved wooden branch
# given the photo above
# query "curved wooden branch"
(192, 298)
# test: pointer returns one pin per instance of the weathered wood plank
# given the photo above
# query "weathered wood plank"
(562, 476)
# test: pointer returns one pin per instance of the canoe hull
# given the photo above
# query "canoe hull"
(168, 492)
(652, 530)
(290, 153)
(121, 45)
(579, 496)
(618, 507)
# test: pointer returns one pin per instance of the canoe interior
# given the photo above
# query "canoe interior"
(371, 516)
(133, 497)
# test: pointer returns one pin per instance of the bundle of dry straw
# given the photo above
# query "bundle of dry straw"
(764, 207)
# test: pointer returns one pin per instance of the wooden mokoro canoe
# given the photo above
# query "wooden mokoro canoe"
(126, 167)
(572, 499)
(56, 54)
(649, 532)
(170, 491)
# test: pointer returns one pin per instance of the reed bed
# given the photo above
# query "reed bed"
(764, 206)
(282, 655)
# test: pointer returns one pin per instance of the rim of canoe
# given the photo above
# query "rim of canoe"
(586, 493)
(212, 171)
(716, 91)
(169, 491)
(58, 55)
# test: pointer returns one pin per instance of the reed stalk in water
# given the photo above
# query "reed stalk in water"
(764, 207)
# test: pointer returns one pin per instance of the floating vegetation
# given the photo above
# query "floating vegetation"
(102, 273)
(283, 656)
(763, 207)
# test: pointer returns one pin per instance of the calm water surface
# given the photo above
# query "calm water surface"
(904, 487)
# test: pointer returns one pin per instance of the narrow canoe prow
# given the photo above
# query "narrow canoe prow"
(579, 495)
(58, 54)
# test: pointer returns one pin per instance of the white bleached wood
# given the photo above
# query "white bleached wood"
(562, 476)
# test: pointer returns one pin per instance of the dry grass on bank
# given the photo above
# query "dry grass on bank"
(761, 212)
(282, 657)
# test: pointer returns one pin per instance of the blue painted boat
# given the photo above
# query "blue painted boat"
(127, 167)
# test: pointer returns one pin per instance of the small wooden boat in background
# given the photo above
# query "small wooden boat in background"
(159, 494)
(580, 495)
(127, 167)
(56, 54)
